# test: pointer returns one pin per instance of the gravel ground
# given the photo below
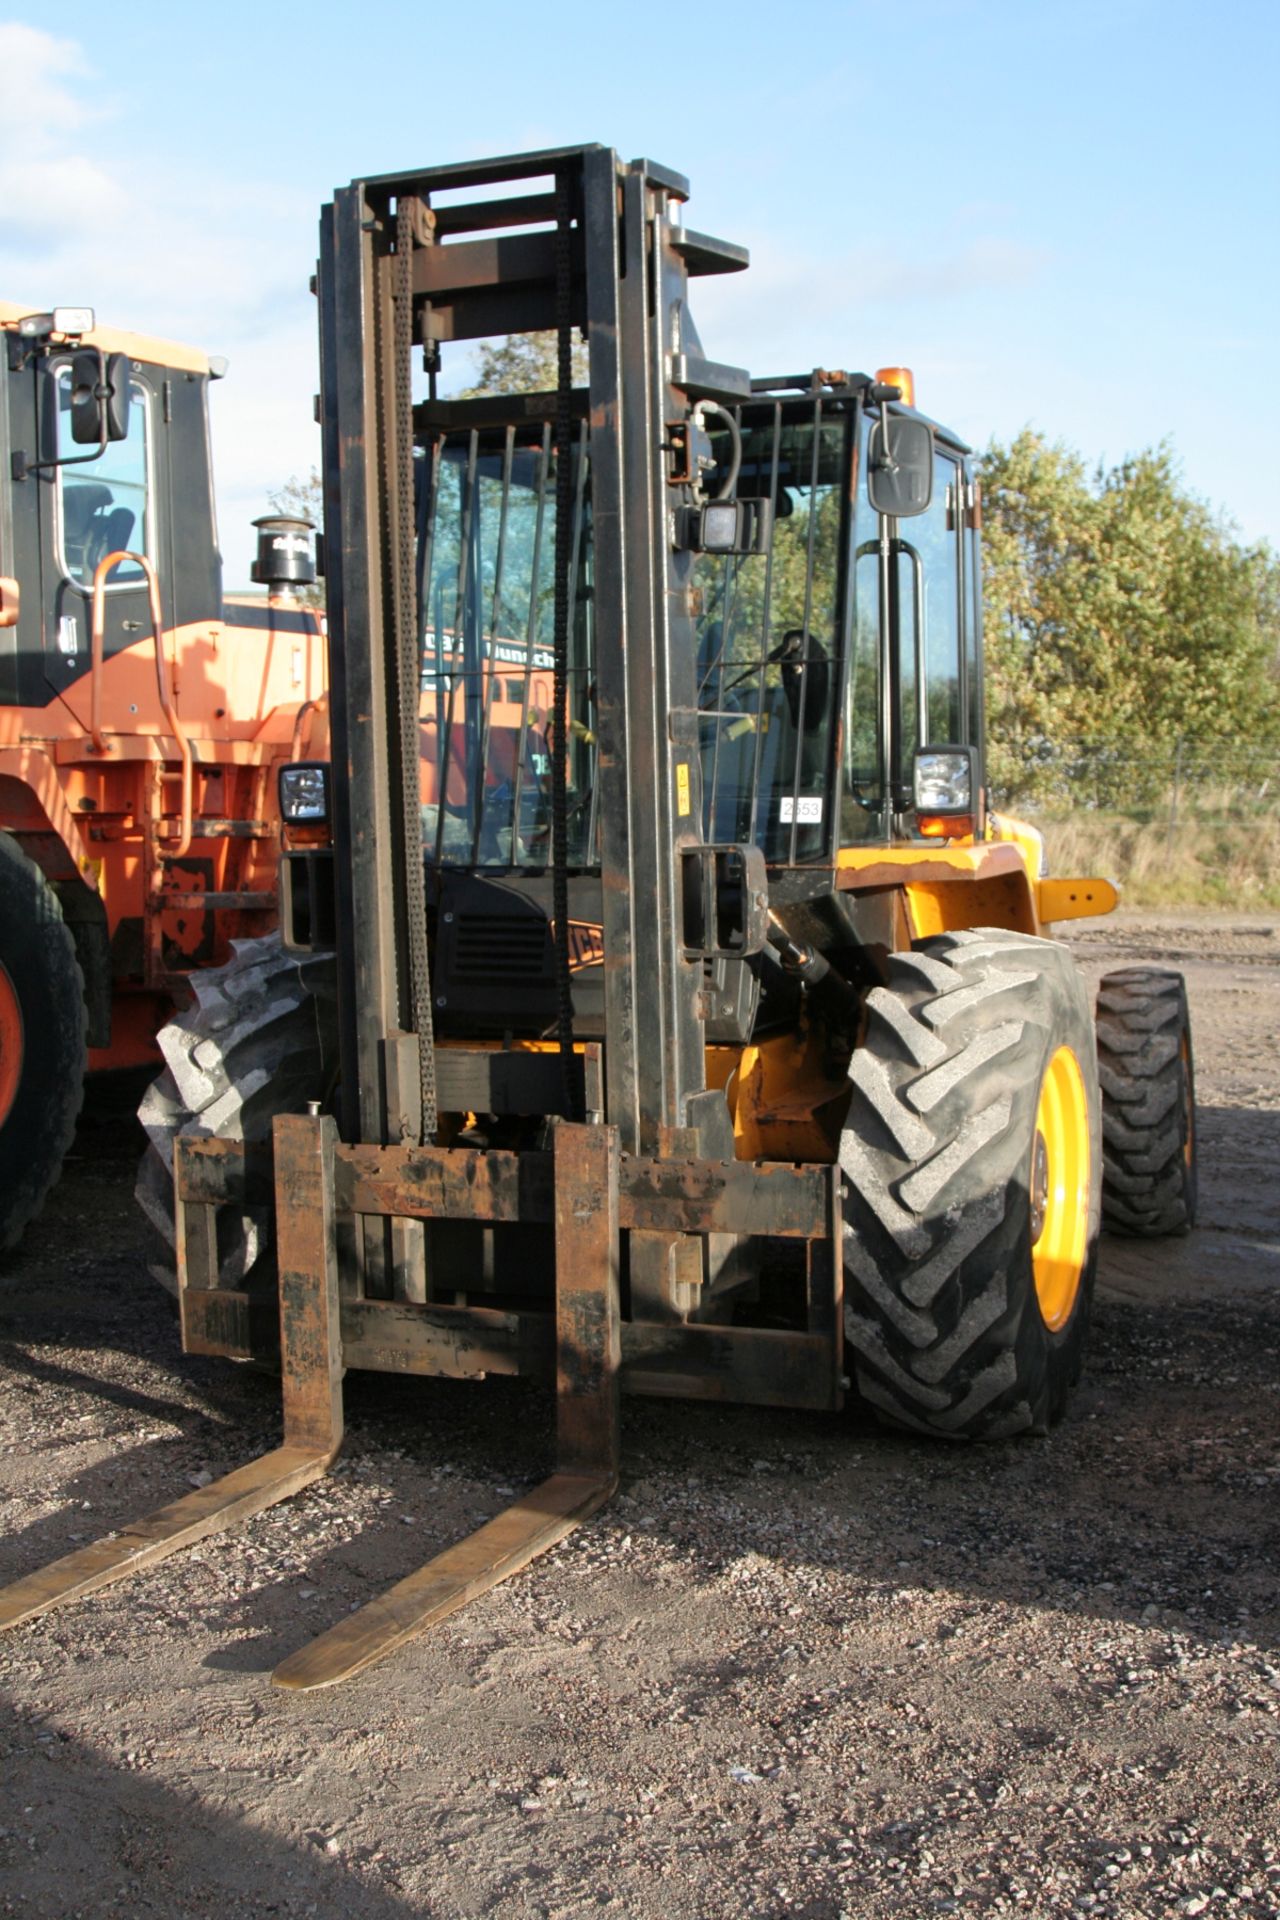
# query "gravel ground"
(800, 1667)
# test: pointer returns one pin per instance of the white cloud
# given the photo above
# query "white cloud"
(88, 216)
(35, 103)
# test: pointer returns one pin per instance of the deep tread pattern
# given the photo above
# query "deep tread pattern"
(1147, 1076)
(261, 1039)
(39, 957)
(942, 1323)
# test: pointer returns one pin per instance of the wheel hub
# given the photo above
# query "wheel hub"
(1039, 1186)
(1058, 1188)
(11, 1044)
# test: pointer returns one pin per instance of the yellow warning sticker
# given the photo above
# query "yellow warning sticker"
(682, 789)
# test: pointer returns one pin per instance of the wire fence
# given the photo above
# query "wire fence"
(1190, 823)
(1175, 784)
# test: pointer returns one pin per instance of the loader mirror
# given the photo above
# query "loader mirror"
(99, 397)
(900, 466)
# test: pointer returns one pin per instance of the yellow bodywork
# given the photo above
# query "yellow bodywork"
(787, 1098)
(787, 1095)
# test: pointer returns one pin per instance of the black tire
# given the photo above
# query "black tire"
(1147, 1074)
(42, 1040)
(945, 1330)
(261, 1039)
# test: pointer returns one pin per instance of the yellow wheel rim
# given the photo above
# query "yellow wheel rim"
(1059, 1188)
(1189, 1113)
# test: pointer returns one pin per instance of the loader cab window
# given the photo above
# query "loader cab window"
(103, 504)
(486, 507)
(862, 815)
(972, 544)
(929, 631)
(769, 642)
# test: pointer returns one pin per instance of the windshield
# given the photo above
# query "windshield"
(487, 513)
(768, 645)
(769, 641)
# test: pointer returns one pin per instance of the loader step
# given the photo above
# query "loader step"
(207, 827)
(197, 902)
(496, 1550)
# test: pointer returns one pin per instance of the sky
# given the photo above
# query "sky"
(1062, 216)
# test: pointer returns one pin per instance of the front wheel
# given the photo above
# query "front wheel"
(42, 1040)
(972, 1163)
(260, 1039)
(1148, 1081)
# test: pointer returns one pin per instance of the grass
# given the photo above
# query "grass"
(1207, 860)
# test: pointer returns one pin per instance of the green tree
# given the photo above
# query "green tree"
(1121, 612)
(523, 363)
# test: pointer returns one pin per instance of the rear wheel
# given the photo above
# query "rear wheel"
(261, 1039)
(1148, 1081)
(971, 1156)
(42, 1040)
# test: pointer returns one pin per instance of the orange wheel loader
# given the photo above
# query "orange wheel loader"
(142, 717)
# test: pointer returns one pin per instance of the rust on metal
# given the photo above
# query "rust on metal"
(209, 1510)
(312, 1375)
(587, 1352)
(461, 1343)
(754, 1366)
(500, 1548)
(824, 1293)
(310, 1340)
(218, 1173)
(587, 1260)
(676, 1195)
(444, 1183)
(227, 1322)
(729, 1196)
(495, 1186)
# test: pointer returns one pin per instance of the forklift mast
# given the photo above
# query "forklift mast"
(604, 253)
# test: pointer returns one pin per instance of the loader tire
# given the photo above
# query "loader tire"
(42, 1040)
(971, 1156)
(260, 1039)
(1147, 1075)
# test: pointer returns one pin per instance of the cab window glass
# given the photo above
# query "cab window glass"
(938, 539)
(863, 799)
(487, 513)
(768, 641)
(973, 634)
(103, 504)
(928, 585)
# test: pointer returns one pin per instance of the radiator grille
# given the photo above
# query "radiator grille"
(493, 946)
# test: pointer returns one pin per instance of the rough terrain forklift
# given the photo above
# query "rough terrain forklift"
(693, 1030)
(142, 722)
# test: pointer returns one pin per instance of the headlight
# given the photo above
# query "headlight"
(944, 780)
(304, 793)
(945, 790)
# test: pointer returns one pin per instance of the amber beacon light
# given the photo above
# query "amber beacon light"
(900, 377)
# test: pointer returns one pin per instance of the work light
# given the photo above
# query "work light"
(945, 791)
(304, 793)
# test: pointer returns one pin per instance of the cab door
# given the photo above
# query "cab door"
(88, 509)
(930, 655)
(22, 679)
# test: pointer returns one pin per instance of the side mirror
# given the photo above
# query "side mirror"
(99, 397)
(900, 466)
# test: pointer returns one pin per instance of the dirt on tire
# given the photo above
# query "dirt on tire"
(801, 1666)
